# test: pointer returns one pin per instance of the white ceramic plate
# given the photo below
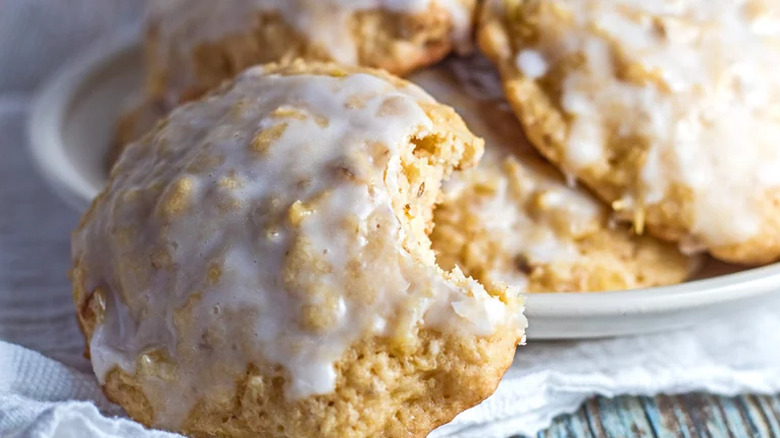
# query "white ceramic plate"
(72, 126)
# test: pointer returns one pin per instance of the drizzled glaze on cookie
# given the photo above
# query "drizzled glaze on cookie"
(279, 220)
(668, 109)
(182, 25)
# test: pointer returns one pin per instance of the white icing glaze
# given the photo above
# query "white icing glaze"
(185, 24)
(709, 110)
(531, 63)
(301, 224)
(513, 170)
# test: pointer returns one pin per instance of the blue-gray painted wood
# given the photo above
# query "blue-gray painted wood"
(678, 416)
(765, 404)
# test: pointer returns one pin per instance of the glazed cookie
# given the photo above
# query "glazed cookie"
(670, 111)
(259, 266)
(514, 219)
(193, 45)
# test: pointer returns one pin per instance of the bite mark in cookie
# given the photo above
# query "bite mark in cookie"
(515, 219)
(259, 264)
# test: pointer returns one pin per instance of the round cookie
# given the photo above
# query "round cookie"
(514, 219)
(193, 45)
(670, 111)
(258, 265)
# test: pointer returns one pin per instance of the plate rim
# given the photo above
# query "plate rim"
(52, 102)
(48, 112)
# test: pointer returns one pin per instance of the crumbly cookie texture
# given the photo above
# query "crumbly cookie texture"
(514, 219)
(193, 45)
(669, 110)
(258, 265)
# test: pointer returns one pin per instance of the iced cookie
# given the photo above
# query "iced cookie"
(258, 265)
(668, 110)
(193, 45)
(514, 218)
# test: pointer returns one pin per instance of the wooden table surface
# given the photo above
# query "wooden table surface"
(690, 415)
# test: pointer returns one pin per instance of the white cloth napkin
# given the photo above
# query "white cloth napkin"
(46, 386)
(42, 398)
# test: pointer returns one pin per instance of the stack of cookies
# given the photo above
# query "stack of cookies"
(295, 242)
